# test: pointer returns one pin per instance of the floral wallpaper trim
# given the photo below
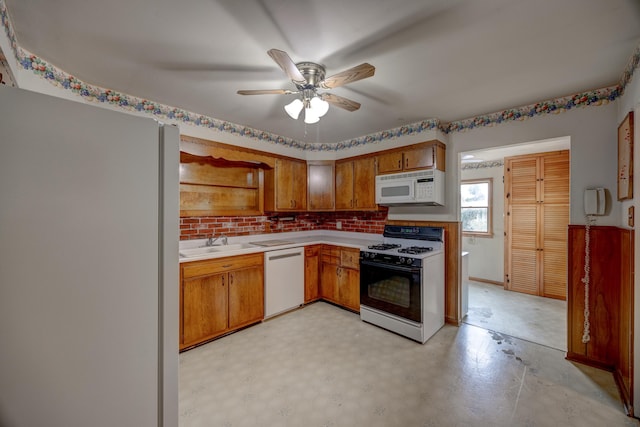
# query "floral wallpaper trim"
(89, 92)
(482, 165)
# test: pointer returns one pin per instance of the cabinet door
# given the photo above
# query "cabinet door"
(299, 185)
(348, 288)
(320, 186)
(290, 185)
(204, 308)
(311, 273)
(364, 183)
(344, 185)
(284, 184)
(246, 296)
(328, 281)
(390, 162)
(419, 158)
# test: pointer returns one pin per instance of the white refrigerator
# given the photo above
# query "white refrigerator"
(89, 208)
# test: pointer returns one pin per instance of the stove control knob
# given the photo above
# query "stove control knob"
(401, 260)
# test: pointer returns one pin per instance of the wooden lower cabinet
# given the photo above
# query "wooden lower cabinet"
(311, 273)
(220, 295)
(340, 276)
(246, 296)
(204, 308)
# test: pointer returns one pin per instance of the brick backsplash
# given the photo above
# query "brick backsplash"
(203, 227)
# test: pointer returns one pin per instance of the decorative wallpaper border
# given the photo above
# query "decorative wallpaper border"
(93, 93)
(482, 165)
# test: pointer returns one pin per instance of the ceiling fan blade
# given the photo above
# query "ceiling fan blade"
(341, 102)
(288, 66)
(356, 73)
(266, 92)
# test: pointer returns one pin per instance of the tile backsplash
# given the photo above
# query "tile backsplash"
(203, 227)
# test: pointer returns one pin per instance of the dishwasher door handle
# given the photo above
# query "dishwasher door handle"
(275, 257)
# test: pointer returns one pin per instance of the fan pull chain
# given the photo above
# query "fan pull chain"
(586, 332)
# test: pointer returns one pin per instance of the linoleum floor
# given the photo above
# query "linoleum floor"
(322, 366)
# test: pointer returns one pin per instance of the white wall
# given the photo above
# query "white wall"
(486, 254)
(630, 101)
(593, 152)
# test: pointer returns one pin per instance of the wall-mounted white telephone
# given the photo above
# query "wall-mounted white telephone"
(595, 201)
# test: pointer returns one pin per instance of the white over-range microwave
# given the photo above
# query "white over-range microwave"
(424, 187)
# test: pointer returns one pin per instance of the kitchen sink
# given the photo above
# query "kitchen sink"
(213, 249)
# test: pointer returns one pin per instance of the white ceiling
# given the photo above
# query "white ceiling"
(442, 59)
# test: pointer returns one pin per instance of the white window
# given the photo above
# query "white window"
(475, 203)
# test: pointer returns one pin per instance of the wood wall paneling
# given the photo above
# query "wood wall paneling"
(610, 302)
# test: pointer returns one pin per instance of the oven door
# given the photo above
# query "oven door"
(392, 289)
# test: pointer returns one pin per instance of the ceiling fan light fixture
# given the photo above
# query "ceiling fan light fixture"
(294, 108)
(319, 106)
(310, 116)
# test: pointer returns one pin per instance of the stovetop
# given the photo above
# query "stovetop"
(408, 242)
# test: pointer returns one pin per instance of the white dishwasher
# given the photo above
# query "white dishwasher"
(284, 280)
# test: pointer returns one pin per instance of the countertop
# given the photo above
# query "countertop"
(296, 239)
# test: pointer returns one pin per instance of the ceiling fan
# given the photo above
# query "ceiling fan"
(309, 77)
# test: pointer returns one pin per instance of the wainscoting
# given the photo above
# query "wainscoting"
(610, 302)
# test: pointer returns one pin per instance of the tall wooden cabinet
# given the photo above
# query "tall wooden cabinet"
(355, 184)
(536, 221)
(220, 295)
(285, 186)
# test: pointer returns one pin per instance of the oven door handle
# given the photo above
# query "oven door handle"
(391, 266)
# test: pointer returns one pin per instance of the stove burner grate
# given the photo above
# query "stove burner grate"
(415, 250)
(384, 246)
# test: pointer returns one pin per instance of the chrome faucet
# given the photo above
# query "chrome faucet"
(212, 240)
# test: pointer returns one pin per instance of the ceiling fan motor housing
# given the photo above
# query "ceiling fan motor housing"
(312, 72)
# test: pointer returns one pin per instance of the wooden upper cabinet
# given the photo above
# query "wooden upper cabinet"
(344, 185)
(285, 187)
(426, 155)
(320, 188)
(420, 158)
(390, 162)
(355, 184)
(364, 183)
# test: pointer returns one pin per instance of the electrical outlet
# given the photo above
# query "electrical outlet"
(339, 225)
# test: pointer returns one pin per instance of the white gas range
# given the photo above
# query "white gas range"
(402, 281)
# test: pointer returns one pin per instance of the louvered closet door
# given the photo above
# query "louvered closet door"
(537, 206)
(555, 222)
(522, 220)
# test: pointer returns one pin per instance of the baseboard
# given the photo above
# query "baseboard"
(491, 282)
(575, 357)
(625, 394)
